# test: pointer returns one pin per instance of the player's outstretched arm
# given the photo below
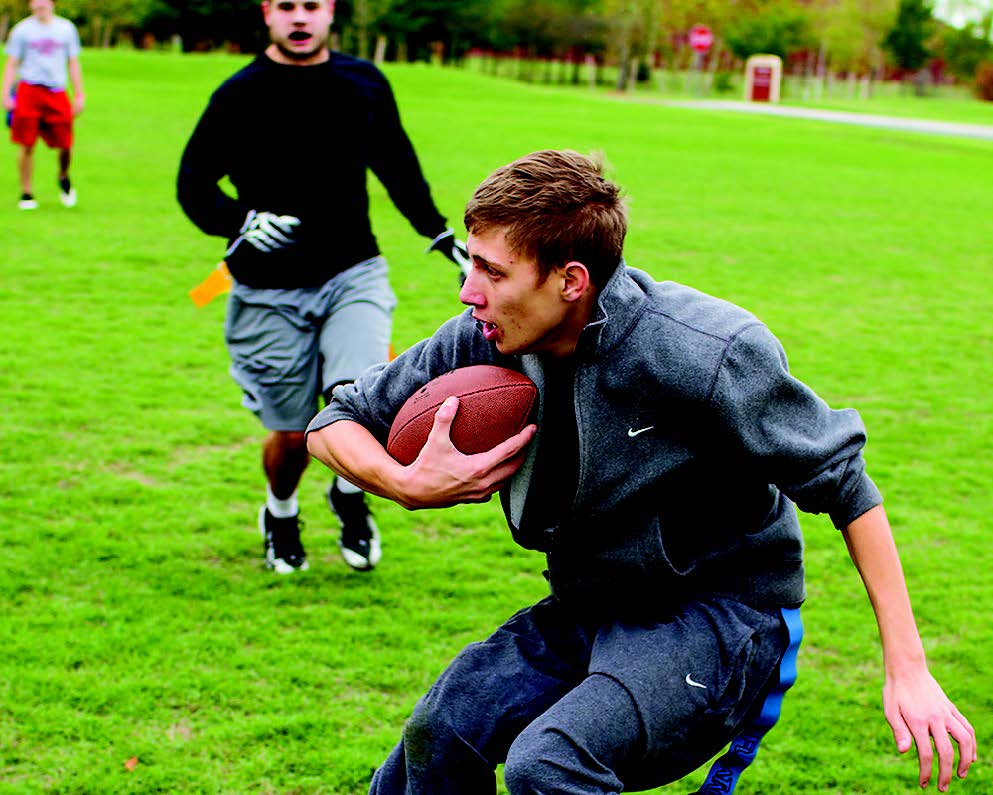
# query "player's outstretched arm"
(915, 706)
(440, 476)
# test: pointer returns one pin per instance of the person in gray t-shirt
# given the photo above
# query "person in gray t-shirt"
(42, 58)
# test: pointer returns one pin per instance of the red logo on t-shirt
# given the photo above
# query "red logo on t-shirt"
(46, 46)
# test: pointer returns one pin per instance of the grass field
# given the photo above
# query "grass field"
(138, 620)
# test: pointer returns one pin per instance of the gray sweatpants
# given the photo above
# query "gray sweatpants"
(582, 707)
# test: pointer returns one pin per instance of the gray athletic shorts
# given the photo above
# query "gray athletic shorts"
(288, 347)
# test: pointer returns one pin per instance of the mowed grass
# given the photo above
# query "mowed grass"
(138, 622)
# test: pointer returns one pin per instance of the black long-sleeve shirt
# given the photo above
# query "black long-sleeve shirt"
(297, 140)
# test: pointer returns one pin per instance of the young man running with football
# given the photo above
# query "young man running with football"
(671, 448)
(296, 131)
(42, 59)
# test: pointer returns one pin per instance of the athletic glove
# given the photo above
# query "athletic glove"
(266, 231)
(455, 250)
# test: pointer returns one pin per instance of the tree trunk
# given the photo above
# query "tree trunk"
(622, 72)
(715, 58)
(624, 49)
(820, 85)
(4, 26)
(920, 82)
(651, 42)
(380, 54)
(362, 28)
(865, 87)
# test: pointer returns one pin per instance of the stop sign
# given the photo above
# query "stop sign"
(701, 38)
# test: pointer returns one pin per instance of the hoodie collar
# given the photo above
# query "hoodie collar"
(617, 308)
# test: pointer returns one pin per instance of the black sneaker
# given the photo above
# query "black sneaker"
(281, 538)
(359, 540)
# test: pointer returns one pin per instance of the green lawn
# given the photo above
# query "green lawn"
(138, 620)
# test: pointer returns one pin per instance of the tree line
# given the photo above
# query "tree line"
(852, 37)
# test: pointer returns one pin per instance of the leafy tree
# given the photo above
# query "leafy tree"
(417, 30)
(851, 32)
(547, 29)
(14, 9)
(965, 48)
(100, 21)
(776, 30)
(907, 39)
(10, 12)
(204, 24)
(984, 81)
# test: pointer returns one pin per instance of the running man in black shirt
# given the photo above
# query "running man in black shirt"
(311, 304)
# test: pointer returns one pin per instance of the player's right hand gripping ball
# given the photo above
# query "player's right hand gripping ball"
(495, 403)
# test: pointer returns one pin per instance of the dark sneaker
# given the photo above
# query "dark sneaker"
(281, 537)
(359, 540)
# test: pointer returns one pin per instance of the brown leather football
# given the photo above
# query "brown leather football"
(494, 404)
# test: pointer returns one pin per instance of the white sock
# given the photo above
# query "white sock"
(281, 509)
(345, 487)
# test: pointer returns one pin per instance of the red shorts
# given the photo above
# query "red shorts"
(39, 110)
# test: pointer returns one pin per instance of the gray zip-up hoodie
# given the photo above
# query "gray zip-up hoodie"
(694, 444)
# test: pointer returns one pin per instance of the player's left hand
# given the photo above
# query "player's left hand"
(918, 712)
(454, 249)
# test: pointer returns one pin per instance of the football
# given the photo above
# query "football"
(494, 404)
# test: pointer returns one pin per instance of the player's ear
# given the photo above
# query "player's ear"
(575, 281)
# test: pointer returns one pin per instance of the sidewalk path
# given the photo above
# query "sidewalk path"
(844, 117)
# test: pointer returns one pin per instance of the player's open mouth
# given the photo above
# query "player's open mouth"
(299, 35)
(489, 329)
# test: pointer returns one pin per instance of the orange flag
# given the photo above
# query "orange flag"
(214, 285)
